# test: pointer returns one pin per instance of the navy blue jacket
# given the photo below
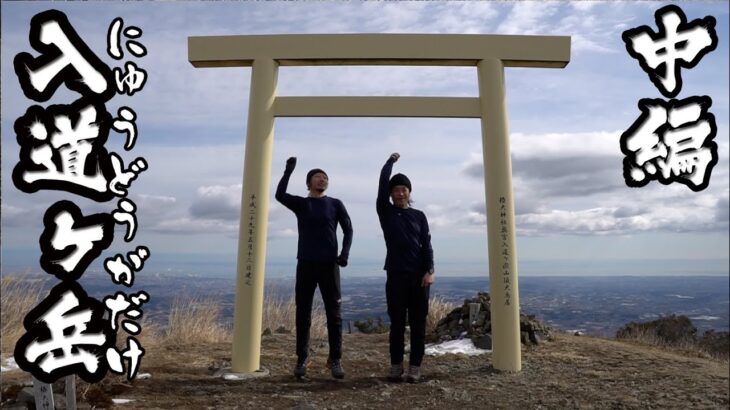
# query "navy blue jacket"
(407, 237)
(317, 220)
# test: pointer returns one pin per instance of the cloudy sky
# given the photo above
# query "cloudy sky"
(574, 212)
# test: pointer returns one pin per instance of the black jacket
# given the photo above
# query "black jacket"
(406, 232)
(317, 220)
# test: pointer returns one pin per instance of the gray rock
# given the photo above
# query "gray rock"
(454, 325)
(534, 338)
(282, 329)
(26, 396)
(482, 342)
(17, 406)
(59, 401)
(267, 332)
(481, 318)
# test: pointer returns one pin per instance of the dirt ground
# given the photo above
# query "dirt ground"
(569, 372)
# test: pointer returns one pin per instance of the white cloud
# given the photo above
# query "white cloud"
(282, 233)
(561, 145)
(529, 18)
(583, 5)
(217, 202)
(14, 216)
(193, 226)
(573, 184)
(154, 204)
(604, 221)
(378, 80)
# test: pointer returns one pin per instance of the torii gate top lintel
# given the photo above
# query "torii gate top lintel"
(379, 49)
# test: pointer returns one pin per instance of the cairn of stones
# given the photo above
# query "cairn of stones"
(456, 325)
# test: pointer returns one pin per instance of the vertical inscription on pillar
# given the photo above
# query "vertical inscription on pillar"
(250, 219)
(505, 250)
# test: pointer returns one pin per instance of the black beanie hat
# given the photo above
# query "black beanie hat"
(311, 173)
(400, 179)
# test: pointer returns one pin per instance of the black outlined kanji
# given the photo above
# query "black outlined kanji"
(49, 157)
(52, 256)
(65, 334)
(48, 30)
(666, 73)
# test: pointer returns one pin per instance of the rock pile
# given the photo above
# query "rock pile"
(672, 330)
(456, 325)
(677, 330)
(371, 326)
(716, 343)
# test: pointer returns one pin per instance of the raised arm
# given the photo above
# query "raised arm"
(344, 220)
(289, 201)
(383, 194)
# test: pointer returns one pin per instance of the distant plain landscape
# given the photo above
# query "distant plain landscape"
(596, 297)
(594, 305)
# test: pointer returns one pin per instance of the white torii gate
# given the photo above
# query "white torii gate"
(489, 53)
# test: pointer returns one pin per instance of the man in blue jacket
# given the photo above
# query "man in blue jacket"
(409, 268)
(318, 262)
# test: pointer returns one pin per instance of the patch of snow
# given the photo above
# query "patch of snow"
(121, 401)
(463, 346)
(9, 364)
(143, 376)
(681, 296)
(704, 317)
(231, 376)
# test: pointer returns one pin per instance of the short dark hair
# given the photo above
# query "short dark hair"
(312, 172)
(400, 179)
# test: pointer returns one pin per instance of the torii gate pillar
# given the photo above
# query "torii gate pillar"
(254, 219)
(504, 294)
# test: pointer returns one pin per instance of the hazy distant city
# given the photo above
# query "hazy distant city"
(595, 305)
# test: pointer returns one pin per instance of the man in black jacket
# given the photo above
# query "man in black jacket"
(409, 267)
(318, 263)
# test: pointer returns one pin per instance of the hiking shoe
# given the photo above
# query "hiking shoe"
(396, 373)
(300, 370)
(336, 368)
(414, 374)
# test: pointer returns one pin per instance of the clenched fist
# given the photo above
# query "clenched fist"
(291, 163)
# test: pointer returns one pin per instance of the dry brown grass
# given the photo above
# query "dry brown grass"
(18, 296)
(438, 308)
(685, 347)
(151, 334)
(649, 337)
(194, 320)
(281, 311)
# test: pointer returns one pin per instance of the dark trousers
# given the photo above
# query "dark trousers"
(326, 275)
(407, 299)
